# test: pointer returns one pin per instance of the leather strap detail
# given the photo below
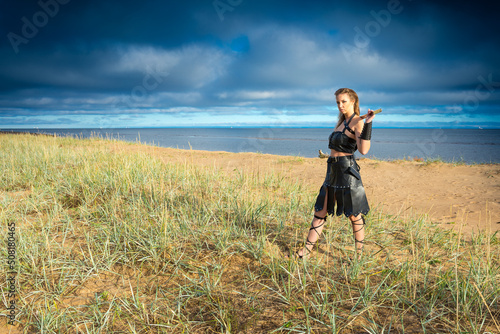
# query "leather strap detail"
(357, 220)
(315, 227)
(366, 134)
(324, 218)
(346, 125)
(362, 225)
(310, 243)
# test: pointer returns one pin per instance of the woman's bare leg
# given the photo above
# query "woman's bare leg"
(358, 229)
(317, 225)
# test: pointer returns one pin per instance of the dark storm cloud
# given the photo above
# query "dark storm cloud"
(106, 57)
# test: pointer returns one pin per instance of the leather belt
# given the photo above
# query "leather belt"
(337, 159)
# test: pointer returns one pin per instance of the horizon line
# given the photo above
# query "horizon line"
(244, 127)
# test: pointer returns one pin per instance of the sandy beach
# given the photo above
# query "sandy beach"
(133, 229)
(457, 196)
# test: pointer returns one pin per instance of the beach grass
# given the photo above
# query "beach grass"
(110, 240)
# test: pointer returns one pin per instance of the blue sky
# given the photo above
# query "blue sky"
(90, 64)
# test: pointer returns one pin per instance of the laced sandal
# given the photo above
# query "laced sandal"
(362, 242)
(310, 243)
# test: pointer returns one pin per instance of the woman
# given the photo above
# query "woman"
(343, 186)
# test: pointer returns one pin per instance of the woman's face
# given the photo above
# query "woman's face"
(345, 104)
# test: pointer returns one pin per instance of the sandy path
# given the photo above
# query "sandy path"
(452, 196)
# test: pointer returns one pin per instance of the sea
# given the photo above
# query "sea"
(469, 146)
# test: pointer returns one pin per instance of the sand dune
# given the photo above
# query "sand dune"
(465, 197)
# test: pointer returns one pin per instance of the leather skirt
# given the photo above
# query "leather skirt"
(344, 188)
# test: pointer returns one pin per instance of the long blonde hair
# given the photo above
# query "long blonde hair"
(353, 96)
